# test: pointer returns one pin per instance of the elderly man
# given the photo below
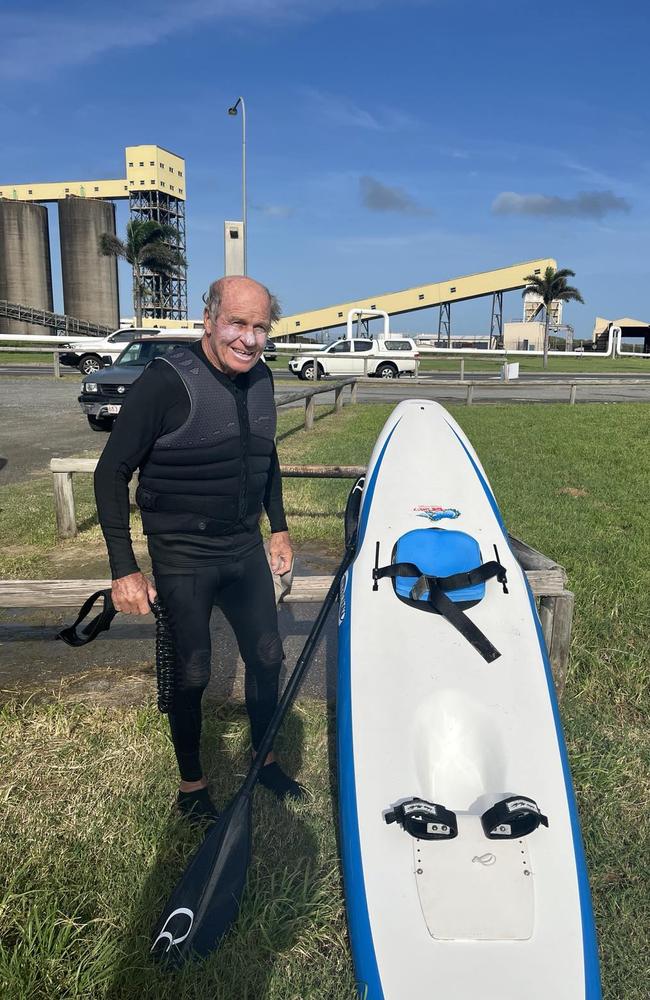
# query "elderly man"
(200, 425)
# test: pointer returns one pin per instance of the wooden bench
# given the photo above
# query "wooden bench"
(546, 578)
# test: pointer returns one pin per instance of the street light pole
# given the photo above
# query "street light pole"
(233, 111)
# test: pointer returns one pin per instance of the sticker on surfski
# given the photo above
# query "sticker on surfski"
(433, 513)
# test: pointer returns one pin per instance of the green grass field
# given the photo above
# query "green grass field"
(89, 847)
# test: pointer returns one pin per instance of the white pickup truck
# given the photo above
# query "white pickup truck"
(92, 354)
(384, 358)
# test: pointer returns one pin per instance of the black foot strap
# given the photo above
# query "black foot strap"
(511, 818)
(424, 820)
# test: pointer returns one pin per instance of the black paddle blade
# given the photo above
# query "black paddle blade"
(206, 900)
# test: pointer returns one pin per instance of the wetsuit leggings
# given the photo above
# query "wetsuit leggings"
(243, 589)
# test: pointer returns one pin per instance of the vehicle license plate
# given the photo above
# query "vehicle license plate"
(113, 407)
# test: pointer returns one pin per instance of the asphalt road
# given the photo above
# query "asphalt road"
(41, 416)
(41, 419)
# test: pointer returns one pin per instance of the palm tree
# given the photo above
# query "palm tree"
(148, 246)
(552, 287)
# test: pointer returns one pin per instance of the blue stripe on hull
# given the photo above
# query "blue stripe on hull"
(363, 948)
(589, 941)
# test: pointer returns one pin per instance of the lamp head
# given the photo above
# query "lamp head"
(233, 110)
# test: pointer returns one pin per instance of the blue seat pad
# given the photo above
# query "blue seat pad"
(439, 552)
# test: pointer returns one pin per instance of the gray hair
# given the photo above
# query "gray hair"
(214, 295)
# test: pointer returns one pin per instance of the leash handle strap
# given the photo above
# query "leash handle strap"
(101, 622)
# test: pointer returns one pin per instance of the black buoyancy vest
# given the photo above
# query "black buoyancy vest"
(209, 476)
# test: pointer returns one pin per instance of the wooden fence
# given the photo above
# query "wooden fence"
(546, 578)
(309, 396)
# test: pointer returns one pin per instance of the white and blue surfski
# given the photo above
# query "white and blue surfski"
(462, 855)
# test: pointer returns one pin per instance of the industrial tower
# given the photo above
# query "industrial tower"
(155, 187)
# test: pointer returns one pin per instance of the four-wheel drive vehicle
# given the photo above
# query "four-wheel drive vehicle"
(92, 354)
(385, 358)
(270, 351)
(103, 392)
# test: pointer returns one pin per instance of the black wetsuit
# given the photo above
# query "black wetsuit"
(200, 560)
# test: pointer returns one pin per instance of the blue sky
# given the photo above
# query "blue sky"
(387, 145)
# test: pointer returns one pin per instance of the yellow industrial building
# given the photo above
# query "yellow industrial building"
(147, 168)
(155, 187)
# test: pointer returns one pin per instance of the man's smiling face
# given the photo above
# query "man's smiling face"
(235, 340)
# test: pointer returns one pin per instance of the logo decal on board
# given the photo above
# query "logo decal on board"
(436, 513)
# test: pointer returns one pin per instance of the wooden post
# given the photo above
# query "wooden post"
(57, 365)
(556, 616)
(66, 521)
(572, 397)
(470, 393)
(338, 398)
(353, 392)
(365, 367)
(462, 369)
(310, 405)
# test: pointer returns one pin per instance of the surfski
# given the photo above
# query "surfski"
(462, 854)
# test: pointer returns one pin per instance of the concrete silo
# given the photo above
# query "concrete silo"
(25, 270)
(90, 289)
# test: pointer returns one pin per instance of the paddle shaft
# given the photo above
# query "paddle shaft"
(295, 679)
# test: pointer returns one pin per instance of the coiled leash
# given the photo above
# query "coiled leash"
(165, 651)
(165, 658)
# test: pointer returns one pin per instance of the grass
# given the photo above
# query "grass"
(89, 849)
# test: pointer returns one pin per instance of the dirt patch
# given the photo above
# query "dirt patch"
(573, 491)
(89, 561)
(101, 688)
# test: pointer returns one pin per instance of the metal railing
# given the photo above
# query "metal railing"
(58, 321)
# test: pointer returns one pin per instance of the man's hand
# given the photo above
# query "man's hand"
(131, 594)
(280, 552)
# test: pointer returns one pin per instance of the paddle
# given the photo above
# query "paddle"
(206, 900)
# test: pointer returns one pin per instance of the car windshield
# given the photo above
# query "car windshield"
(143, 351)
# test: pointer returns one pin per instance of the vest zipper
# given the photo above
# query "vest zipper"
(245, 430)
